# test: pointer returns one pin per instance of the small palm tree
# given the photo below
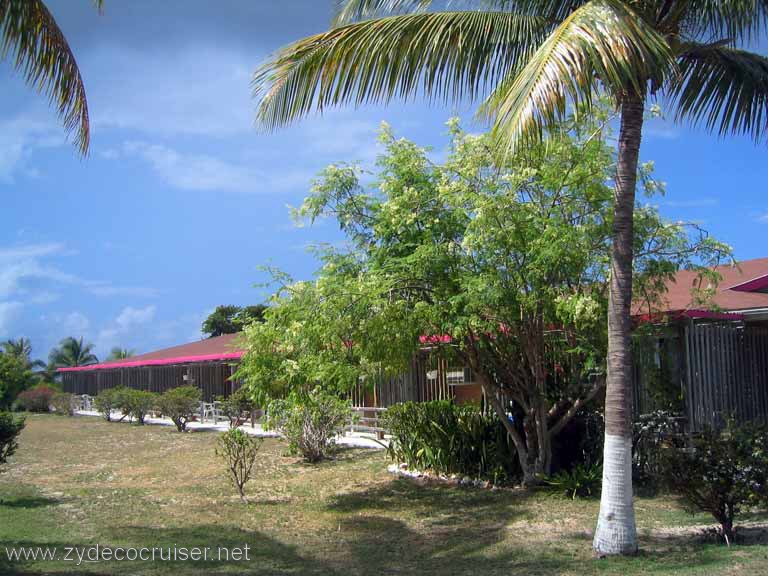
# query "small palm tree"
(72, 352)
(118, 353)
(532, 60)
(30, 35)
(22, 348)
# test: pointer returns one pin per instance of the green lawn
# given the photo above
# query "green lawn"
(81, 482)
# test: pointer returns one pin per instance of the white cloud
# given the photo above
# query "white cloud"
(19, 137)
(8, 314)
(130, 317)
(75, 323)
(31, 261)
(196, 171)
(198, 90)
(763, 218)
(208, 173)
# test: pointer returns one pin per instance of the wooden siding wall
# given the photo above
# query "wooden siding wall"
(213, 379)
(728, 373)
(411, 386)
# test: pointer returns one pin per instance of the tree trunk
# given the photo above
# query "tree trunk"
(616, 532)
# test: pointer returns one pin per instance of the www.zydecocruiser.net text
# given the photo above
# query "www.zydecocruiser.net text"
(97, 553)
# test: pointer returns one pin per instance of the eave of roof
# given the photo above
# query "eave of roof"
(158, 362)
(759, 284)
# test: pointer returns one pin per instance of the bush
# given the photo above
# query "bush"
(136, 404)
(239, 451)
(235, 405)
(63, 403)
(14, 379)
(651, 434)
(180, 405)
(447, 438)
(108, 400)
(583, 481)
(10, 428)
(309, 421)
(37, 399)
(721, 472)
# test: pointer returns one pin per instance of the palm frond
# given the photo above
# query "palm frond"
(736, 19)
(348, 11)
(448, 55)
(601, 43)
(30, 36)
(723, 88)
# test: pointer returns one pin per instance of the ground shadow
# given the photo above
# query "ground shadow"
(28, 502)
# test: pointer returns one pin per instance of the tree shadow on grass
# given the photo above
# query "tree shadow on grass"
(466, 530)
(28, 502)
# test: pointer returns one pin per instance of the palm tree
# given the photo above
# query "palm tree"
(22, 348)
(30, 36)
(118, 353)
(537, 58)
(72, 352)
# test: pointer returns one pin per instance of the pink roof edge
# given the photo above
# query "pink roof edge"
(158, 362)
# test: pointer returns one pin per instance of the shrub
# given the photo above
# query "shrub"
(239, 451)
(721, 472)
(37, 399)
(14, 379)
(235, 405)
(10, 428)
(107, 401)
(651, 434)
(180, 404)
(136, 404)
(447, 438)
(583, 481)
(63, 403)
(309, 421)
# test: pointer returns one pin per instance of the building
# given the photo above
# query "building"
(710, 362)
(208, 364)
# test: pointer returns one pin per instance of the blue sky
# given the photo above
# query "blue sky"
(181, 198)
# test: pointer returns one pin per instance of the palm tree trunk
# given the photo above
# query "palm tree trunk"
(616, 532)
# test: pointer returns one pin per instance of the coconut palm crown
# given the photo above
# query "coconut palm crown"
(72, 352)
(527, 62)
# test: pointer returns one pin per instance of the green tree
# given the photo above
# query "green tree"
(118, 353)
(15, 377)
(30, 36)
(537, 57)
(72, 352)
(22, 349)
(504, 266)
(229, 319)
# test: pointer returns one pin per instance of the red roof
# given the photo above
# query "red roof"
(219, 348)
(730, 294)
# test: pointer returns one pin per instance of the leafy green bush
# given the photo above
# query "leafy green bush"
(37, 399)
(309, 421)
(15, 377)
(180, 405)
(239, 451)
(108, 400)
(10, 428)
(582, 481)
(651, 434)
(136, 404)
(63, 403)
(235, 405)
(721, 472)
(447, 438)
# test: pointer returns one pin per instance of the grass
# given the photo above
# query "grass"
(81, 482)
